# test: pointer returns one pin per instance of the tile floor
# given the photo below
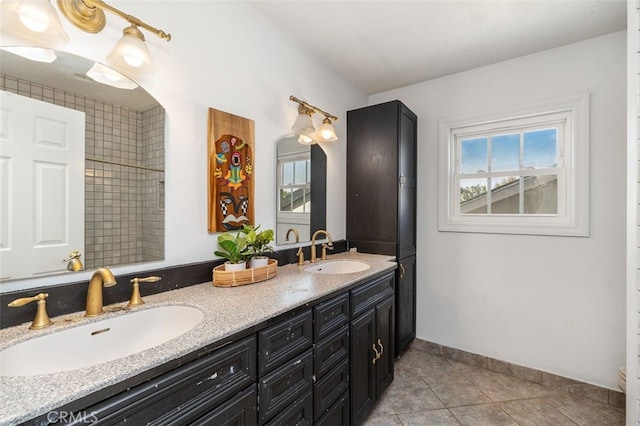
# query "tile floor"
(431, 390)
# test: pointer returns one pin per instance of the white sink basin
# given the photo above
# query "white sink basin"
(338, 267)
(98, 342)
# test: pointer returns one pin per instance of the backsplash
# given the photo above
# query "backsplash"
(69, 298)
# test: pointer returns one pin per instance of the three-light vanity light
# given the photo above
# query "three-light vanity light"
(37, 21)
(303, 126)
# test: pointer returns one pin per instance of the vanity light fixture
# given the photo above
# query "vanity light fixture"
(37, 22)
(131, 55)
(34, 21)
(303, 126)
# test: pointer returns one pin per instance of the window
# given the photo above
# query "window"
(519, 172)
(294, 185)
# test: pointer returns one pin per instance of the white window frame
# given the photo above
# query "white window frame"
(290, 216)
(572, 218)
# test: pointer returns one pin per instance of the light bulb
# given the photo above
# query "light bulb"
(33, 17)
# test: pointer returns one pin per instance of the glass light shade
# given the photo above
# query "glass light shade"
(326, 132)
(38, 54)
(34, 21)
(105, 75)
(131, 55)
(306, 140)
(303, 125)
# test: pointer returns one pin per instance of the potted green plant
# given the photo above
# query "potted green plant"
(258, 243)
(234, 249)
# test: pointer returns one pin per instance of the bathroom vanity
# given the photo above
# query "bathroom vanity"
(310, 347)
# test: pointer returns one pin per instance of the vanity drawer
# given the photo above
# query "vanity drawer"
(338, 415)
(367, 295)
(330, 315)
(299, 413)
(331, 351)
(280, 388)
(284, 340)
(239, 410)
(186, 393)
(330, 388)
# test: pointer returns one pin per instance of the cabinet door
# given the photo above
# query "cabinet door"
(405, 303)
(385, 345)
(407, 183)
(363, 386)
(372, 169)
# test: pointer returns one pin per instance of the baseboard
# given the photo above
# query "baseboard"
(553, 381)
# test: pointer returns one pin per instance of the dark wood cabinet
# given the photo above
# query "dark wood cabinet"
(406, 300)
(325, 363)
(188, 393)
(372, 345)
(331, 359)
(381, 195)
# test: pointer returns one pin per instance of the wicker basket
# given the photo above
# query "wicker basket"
(222, 278)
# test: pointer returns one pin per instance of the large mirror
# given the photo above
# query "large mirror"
(301, 182)
(118, 210)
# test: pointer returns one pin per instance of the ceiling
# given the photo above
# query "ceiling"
(383, 45)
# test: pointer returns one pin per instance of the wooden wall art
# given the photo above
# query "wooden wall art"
(231, 171)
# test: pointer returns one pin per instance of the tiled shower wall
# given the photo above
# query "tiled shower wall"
(124, 177)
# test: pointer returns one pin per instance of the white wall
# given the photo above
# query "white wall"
(633, 219)
(227, 56)
(552, 303)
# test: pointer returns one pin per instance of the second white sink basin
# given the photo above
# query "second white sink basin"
(98, 342)
(338, 267)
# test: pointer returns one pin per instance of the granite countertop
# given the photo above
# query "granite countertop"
(227, 311)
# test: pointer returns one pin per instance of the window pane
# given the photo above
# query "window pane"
(473, 155)
(473, 196)
(540, 149)
(505, 152)
(287, 173)
(505, 195)
(300, 173)
(304, 205)
(541, 194)
(285, 200)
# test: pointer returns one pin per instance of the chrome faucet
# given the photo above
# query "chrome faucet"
(324, 246)
(101, 277)
(300, 254)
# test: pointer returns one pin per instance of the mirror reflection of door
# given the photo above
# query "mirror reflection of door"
(41, 186)
(122, 153)
(301, 189)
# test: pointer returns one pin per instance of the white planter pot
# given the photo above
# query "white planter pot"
(228, 266)
(258, 261)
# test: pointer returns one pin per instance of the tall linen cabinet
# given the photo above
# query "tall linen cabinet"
(381, 198)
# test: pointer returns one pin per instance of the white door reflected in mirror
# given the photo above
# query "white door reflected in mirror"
(41, 186)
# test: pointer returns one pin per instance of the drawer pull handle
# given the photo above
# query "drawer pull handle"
(381, 348)
(377, 357)
(402, 271)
